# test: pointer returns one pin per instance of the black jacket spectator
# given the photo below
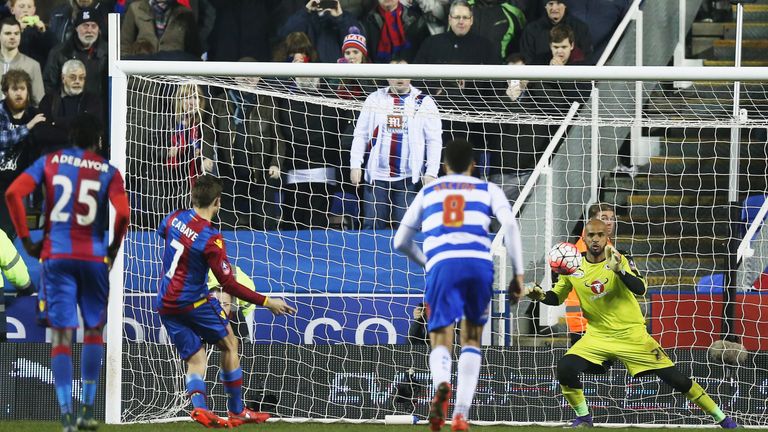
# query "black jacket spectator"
(62, 18)
(415, 31)
(60, 111)
(94, 59)
(240, 30)
(535, 40)
(447, 48)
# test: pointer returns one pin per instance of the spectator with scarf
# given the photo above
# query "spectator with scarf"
(191, 152)
(162, 26)
(395, 30)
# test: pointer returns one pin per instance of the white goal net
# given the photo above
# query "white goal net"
(295, 222)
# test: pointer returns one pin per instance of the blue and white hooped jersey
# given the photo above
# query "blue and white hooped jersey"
(454, 212)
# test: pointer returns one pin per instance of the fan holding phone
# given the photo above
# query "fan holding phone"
(324, 6)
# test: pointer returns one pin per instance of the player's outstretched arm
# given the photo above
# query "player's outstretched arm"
(278, 306)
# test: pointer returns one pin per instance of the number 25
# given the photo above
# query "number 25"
(84, 196)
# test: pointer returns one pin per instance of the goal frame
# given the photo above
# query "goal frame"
(120, 70)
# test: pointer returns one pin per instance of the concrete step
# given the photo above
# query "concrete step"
(708, 133)
(665, 245)
(668, 183)
(751, 30)
(709, 148)
(755, 49)
(690, 197)
(746, 63)
(657, 226)
(690, 213)
(681, 165)
(708, 29)
(753, 12)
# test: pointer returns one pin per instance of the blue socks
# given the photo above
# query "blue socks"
(61, 363)
(233, 386)
(196, 391)
(93, 352)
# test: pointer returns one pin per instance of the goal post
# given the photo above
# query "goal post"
(346, 355)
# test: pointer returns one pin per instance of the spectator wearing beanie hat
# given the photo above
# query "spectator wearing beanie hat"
(353, 48)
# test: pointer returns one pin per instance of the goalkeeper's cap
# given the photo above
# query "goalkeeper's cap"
(354, 40)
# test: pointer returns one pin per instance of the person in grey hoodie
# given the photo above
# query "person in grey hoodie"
(10, 38)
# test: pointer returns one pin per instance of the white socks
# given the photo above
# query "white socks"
(440, 363)
(469, 371)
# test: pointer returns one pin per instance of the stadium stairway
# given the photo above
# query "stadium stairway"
(673, 213)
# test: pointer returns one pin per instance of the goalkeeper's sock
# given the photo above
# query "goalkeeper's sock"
(698, 396)
(61, 363)
(440, 363)
(575, 398)
(233, 387)
(469, 372)
(196, 391)
(90, 359)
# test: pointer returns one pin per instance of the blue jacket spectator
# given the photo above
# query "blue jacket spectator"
(326, 28)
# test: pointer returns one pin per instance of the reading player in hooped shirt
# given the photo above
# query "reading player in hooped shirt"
(454, 213)
(191, 315)
(75, 257)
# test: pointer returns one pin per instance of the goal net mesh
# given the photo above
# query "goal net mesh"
(295, 223)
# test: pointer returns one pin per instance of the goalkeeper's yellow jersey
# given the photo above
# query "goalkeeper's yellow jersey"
(243, 279)
(607, 303)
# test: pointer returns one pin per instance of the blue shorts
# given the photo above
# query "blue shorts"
(456, 288)
(188, 330)
(69, 283)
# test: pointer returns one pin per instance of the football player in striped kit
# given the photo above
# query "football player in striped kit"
(454, 213)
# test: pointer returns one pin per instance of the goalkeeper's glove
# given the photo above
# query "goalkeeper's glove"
(612, 258)
(535, 292)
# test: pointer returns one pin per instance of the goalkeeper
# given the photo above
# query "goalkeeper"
(606, 286)
(237, 310)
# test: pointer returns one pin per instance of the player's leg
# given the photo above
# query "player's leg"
(474, 286)
(470, 360)
(196, 366)
(569, 369)
(90, 364)
(93, 292)
(61, 365)
(232, 379)
(696, 394)
(440, 365)
(60, 311)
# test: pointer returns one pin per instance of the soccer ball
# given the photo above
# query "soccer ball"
(564, 258)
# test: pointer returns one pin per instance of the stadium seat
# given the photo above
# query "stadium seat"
(711, 283)
(750, 209)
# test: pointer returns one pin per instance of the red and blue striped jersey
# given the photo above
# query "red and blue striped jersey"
(79, 185)
(192, 246)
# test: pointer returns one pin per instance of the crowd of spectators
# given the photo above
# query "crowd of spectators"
(284, 159)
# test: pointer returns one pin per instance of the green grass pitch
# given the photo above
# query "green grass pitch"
(30, 426)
